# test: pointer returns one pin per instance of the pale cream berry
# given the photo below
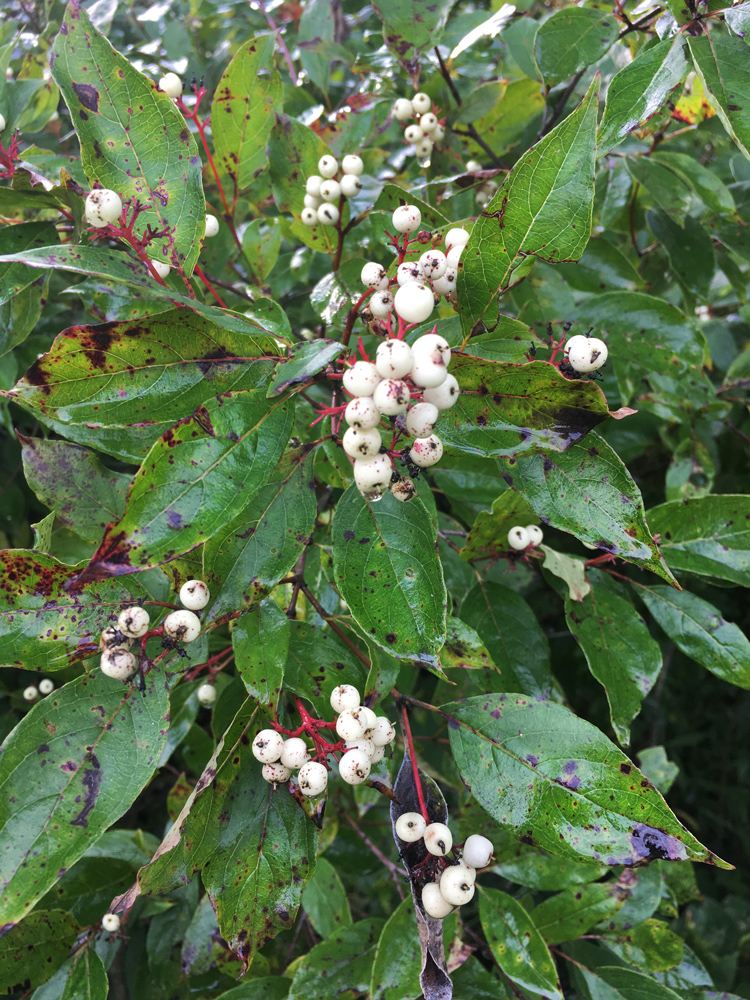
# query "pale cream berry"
(423, 148)
(426, 451)
(103, 207)
(383, 732)
(518, 538)
(195, 595)
(407, 219)
(2, 123)
(456, 238)
(432, 347)
(111, 922)
(311, 202)
(443, 396)
(349, 726)
(212, 226)
(350, 185)
(309, 217)
(428, 122)
(433, 902)
(362, 444)
(394, 358)
(469, 870)
(328, 166)
(361, 379)
(330, 190)
(403, 110)
(361, 412)
(410, 827)
(438, 133)
(381, 304)
(446, 283)
(312, 185)
(428, 374)
(413, 133)
(113, 638)
(473, 165)
(409, 271)
(119, 664)
(434, 264)
(366, 745)
(456, 887)
(374, 275)
(206, 694)
(294, 753)
(391, 396)
(377, 755)
(161, 269)
(454, 256)
(352, 165)
(46, 686)
(276, 773)
(373, 477)
(477, 851)
(267, 746)
(414, 302)
(328, 215)
(421, 103)
(182, 626)
(171, 84)
(438, 839)
(535, 534)
(31, 693)
(312, 778)
(344, 698)
(585, 354)
(354, 767)
(367, 717)
(421, 419)
(404, 489)
(133, 622)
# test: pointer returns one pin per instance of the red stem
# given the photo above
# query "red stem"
(210, 287)
(414, 768)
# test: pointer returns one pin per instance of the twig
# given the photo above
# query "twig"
(560, 106)
(330, 621)
(414, 766)
(282, 44)
(470, 132)
(397, 873)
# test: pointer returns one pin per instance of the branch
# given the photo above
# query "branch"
(560, 106)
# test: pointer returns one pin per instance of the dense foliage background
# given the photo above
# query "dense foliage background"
(153, 432)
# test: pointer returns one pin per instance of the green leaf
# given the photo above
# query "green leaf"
(690, 251)
(409, 27)
(691, 473)
(616, 983)
(706, 184)
(303, 361)
(657, 767)
(571, 40)
(316, 26)
(293, 154)
(196, 477)
(509, 341)
(19, 239)
(570, 570)
(539, 870)
(86, 890)
(337, 965)
(398, 958)
(46, 626)
(513, 636)
(463, 648)
(31, 952)
(558, 783)
(488, 537)
(701, 632)
(87, 979)
(133, 138)
(260, 640)
(324, 900)
(665, 187)
(265, 988)
(738, 20)
(543, 209)
(251, 553)
(505, 409)
(261, 243)
(246, 97)
(72, 481)
(388, 572)
(588, 491)
(519, 38)
(70, 768)
(503, 126)
(652, 946)
(708, 536)
(313, 651)
(721, 62)
(516, 945)
(575, 911)
(263, 315)
(619, 649)
(641, 89)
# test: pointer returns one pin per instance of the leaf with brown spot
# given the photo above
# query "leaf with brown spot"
(32, 951)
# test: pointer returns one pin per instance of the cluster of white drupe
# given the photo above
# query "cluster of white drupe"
(363, 738)
(116, 641)
(426, 131)
(456, 883)
(325, 192)
(521, 538)
(46, 685)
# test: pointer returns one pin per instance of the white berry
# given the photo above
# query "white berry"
(354, 767)
(161, 269)
(434, 347)
(413, 133)
(585, 354)
(454, 256)
(328, 215)
(31, 693)
(383, 732)
(109, 639)
(421, 103)
(394, 358)
(377, 755)
(410, 827)
(409, 271)
(426, 451)
(111, 922)
(391, 396)
(46, 686)
(2, 123)
(365, 745)
(350, 185)
(352, 164)
(133, 622)
(445, 395)
(367, 717)
(171, 84)
(312, 185)
(118, 663)
(312, 778)
(428, 122)
(535, 534)
(361, 412)
(276, 773)
(477, 851)
(481, 198)
(403, 110)
(345, 697)
(455, 886)
(403, 490)
(446, 283)
(381, 304)
(518, 538)
(421, 419)
(434, 264)
(311, 202)
(267, 746)
(373, 476)
(414, 302)
(206, 694)
(327, 166)
(309, 216)
(103, 207)
(195, 594)
(362, 444)
(433, 903)
(361, 379)
(374, 275)
(438, 839)
(330, 190)
(349, 726)
(473, 165)
(456, 238)
(469, 871)
(212, 226)
(294, 753)
(423, 148)
(407, 219)
(438, 133)
(182, 626)
(428, 374)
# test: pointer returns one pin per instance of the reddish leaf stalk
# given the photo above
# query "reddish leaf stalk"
(210, 287)
(414, 768)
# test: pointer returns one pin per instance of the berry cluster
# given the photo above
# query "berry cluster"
(455, 884)
(521, 538)
(428, 130)
(326, 192)
(116, 641)
(363, 737)
(33, 692)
